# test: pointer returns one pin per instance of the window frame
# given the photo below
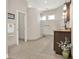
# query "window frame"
(54, 17)
(43, 19)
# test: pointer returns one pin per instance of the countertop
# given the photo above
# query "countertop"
(62, 30)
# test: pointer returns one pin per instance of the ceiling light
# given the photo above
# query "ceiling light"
(29, 5)
(45, 1)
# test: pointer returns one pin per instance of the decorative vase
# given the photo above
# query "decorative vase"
(65, 54)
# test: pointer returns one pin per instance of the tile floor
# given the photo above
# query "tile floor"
(37, 49)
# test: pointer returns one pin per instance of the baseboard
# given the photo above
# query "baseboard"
(48, 35)
(35, 38)
(12, 45)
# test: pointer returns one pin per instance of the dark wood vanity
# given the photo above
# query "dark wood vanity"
(60, 36)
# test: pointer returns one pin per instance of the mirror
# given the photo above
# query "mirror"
(66, 12)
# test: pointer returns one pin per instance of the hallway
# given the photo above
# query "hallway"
(37, 49)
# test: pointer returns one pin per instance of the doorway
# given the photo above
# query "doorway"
(20, 27)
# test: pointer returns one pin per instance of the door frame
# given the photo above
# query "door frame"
(17, 27)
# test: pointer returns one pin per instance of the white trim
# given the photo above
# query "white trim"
(7, 55)
(17, 25)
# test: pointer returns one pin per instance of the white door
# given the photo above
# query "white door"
(20, 26)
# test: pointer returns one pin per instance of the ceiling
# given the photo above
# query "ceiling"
(45, 4)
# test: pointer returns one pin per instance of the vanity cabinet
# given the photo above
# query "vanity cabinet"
(60, 36)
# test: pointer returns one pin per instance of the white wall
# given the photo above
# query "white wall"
(6, 30)
(58, 23)
(14, 5)
(33, 24)
(71, 23)
(71, 14)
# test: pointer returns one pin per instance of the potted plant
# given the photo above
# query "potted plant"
(65, 46)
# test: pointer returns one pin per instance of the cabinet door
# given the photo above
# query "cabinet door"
(68, 35)
(60, 36)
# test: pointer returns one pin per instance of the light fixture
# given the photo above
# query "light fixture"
(65, 8)
(45, 1)
(64, 14)
(29, 5)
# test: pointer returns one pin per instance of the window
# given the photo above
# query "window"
(43, 18)
(51, 17)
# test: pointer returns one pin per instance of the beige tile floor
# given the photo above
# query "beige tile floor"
(37, 49)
